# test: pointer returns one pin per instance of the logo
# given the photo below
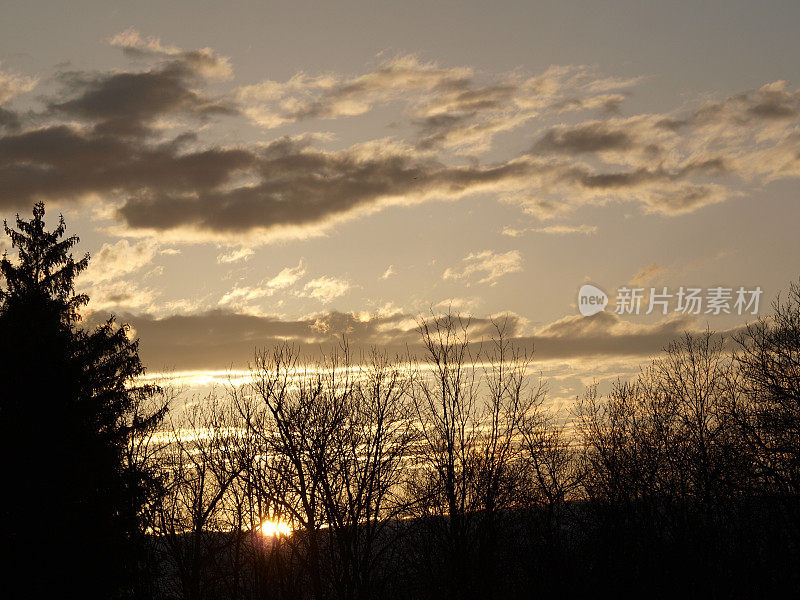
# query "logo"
(591, 300)
(687, 300)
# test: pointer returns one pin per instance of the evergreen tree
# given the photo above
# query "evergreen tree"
(68, 401)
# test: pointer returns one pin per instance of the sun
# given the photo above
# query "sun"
(275, 528)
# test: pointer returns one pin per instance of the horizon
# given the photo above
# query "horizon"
(231, 199)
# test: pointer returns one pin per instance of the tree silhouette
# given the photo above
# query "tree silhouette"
(444, 475)
(769, 413)
(70, 408)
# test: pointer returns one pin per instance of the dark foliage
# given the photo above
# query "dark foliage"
(72, 502)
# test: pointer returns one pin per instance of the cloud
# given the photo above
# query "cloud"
(672, 163)
(235, 255)
(606, 334)
(221, 338)
(468, 116)
(105, 278)
(134, 103)
(461, 134)
(388, 272)
(552, 230)
(452, 108)
(458, 305)
(489, 264)
(605, 103)
(119, 296)
(309, 190)
(326, 289)
(116, 260)
(128, 140)
(241, 296)
(770, 103)
(12, 85)
(287, 277)
(648, 274)
(203, 61)
(330, 96)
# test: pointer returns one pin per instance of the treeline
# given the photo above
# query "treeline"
(449, 477)
(445, 475)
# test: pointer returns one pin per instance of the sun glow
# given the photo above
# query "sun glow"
(275, 528)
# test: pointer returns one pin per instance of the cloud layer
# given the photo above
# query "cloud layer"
(129, 140)
(218, 338)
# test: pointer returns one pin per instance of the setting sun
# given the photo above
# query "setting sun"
(275, 528)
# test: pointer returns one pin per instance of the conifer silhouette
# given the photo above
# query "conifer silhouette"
(67, 405)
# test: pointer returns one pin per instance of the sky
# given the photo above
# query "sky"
(246, 173)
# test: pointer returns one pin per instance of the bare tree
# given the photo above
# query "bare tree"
(441, 458)
(470, 421)
(605, 428)
(768, 412)
(670, 432)
(335, 437)
(191, 520)
(699, 377)
(445, 400)
(361, 485)
(769, 417)
(142, 461)
(551, 468)
(508, 401)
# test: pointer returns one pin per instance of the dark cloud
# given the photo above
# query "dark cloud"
(128, 147)
(131, 103)
(769, 103)
(435, 129)
(9, 120)
(170, 186)
(605, 103)
(62, 163)
(218, 339)
(471, 100)
(594, 136)
(644, 176)
(605, 334)
(659, 189)
(306, 187)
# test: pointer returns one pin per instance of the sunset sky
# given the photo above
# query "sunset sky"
(253, 172)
